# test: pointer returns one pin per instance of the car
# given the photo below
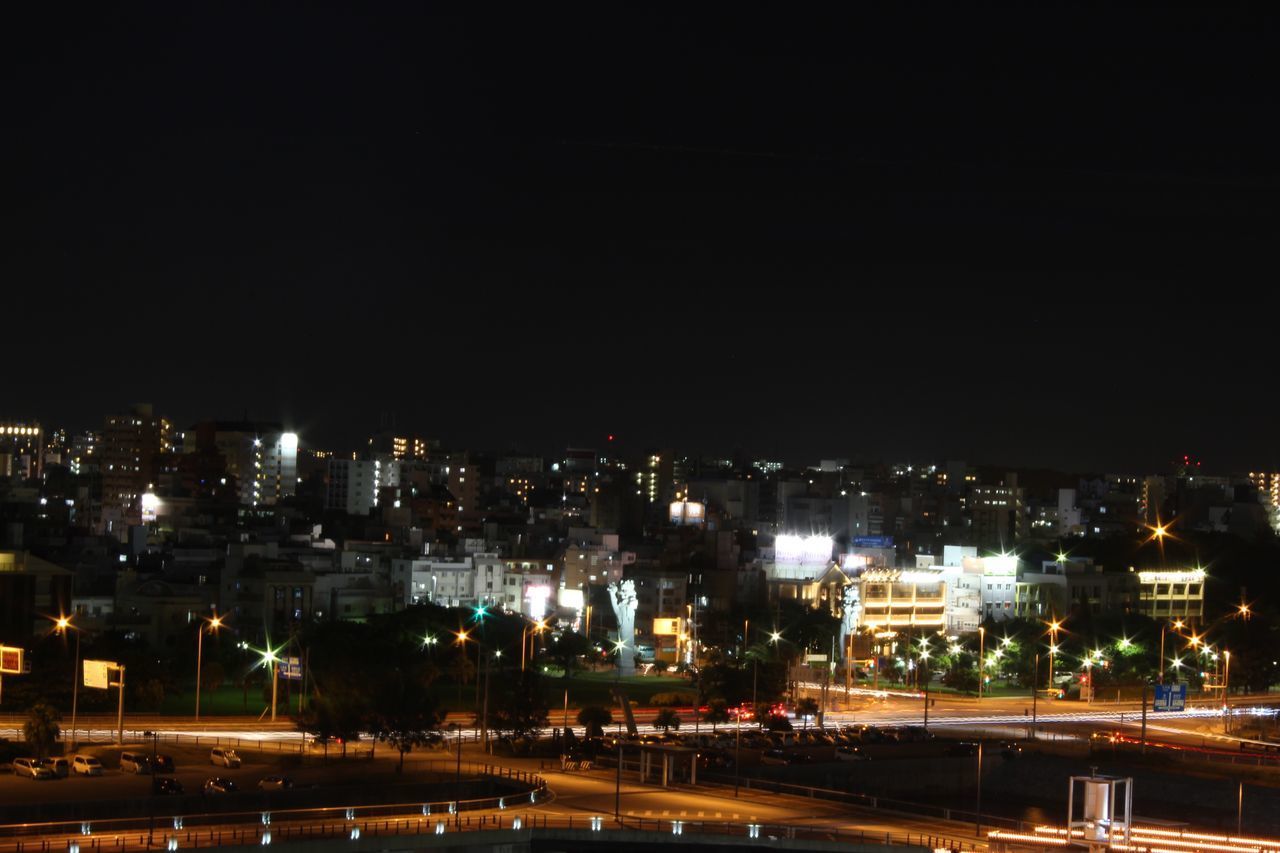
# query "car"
(851, 753)
(219, 785)
(60, 766)
(1011, 749)
(774, 756)
(168, 786)
(134, 762)
(275, 783)
(86, 765)
(162, 763)
(224, 757)
(36, 768)
(963, 748)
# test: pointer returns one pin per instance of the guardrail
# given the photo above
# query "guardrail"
(268, 831)
(888, 804)
(209, 828)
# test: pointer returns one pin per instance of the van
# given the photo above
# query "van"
(86, 765)
(224, 757)
(134, 762)
(36, 768)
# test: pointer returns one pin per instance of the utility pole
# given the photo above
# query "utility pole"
(1035, 694)
(1144, 718)
(977, 811)
(982, 663)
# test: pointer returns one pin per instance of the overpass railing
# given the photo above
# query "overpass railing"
(269, 830)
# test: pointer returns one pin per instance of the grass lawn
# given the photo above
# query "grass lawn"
(585, 688)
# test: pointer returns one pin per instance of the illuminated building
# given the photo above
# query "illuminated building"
(1268, 486)
(898, 598)
(21, 445)
(355, 485)
(261, 457)
(996, 513)
(133, 445)
(1172, 594)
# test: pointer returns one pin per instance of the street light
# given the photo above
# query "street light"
(1054, 627)
(1226, 689)
(209, 625)
(64, 625)
(270, 658)
(982, 659)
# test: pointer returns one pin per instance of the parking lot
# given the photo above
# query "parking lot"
(192, 766)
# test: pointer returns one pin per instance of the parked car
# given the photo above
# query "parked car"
(168, 786)
(1011, 749)
(224, 757)
(162, 763)
(218, 785)
(275, 783)
(851, 753)
(962, 748)
(86, 765)
(60, 766)
(135, 762)
(774, 756)
(36, 768)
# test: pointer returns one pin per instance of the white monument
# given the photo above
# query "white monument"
(623, 599)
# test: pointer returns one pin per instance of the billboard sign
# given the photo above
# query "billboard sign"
(873, 541)
(291, 669)
(97, 673)
(1170, 697)
(10, 660)
(664, 627)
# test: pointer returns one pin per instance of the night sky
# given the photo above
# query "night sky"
(1033, 238)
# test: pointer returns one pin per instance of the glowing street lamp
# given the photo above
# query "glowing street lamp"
(210, 625)
(64, 625)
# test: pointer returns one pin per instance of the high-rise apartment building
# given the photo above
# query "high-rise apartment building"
(132, 451)
(21, 443)
(260, 456)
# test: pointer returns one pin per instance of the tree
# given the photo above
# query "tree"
(518, 709)
(566, 650)
(333, 715)
(717, 712)
(806, 708)
(404, 713)
(212, 675)
(594, 718)
(41, 730)
(666, 719)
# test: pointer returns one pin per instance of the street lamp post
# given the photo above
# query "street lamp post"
(1053, 647)
(982, 660)
(213, 624)
(64, 625)
(1226, 691)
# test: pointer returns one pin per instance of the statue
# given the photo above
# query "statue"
(623, 599)
(851, 618)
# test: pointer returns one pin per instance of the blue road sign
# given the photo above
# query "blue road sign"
(291, 669)
(1170, 697)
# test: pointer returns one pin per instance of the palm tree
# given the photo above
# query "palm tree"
(806, 708)
(666, 719)
(717, 712)
(41, 729)
(594, 718)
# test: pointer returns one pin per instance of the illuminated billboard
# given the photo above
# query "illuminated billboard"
(97, 673)
(687, 512)
(793, 549)
(667, 627)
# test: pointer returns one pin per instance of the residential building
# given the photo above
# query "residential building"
(133, 447)
(1172, 595)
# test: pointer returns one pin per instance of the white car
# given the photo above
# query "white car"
(224, 757)
(86, 765)
(36, 768)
